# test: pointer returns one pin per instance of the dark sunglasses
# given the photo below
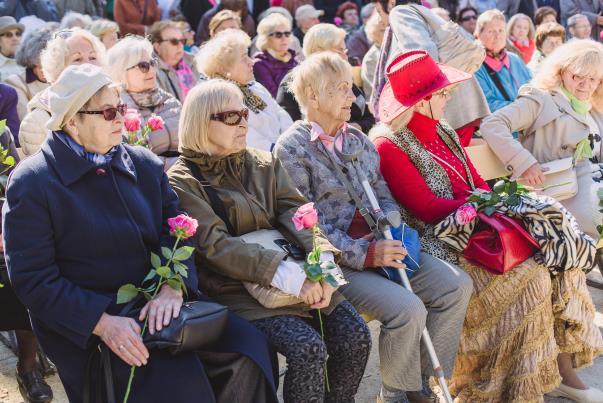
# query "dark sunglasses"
(279, 35)
(145, 66)
(10, 34)
(63, 33)
(110, 113)
(469, 18)
(231, 118)
(174, 41)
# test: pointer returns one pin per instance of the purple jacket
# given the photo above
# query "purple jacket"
(8, 109)
(269, 71)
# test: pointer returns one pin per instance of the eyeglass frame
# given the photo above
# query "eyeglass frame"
(181, 41)
(221, 116)
(122, 109)
(280, 34)
(153, 62)
(9, 34)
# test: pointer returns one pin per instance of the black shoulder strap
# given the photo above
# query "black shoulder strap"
(214, 200)
(497, 82)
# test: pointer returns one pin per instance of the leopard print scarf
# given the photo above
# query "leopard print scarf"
(252, 101)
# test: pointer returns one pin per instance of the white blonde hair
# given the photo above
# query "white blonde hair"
(221, 52)
(54, 58)
(71, 19)
(322, 37)
(205, 99)
(515, 19)
(583, 57)
(125, 54)
(267, 26)
(315, 74)
(102, 27)
(486, 18)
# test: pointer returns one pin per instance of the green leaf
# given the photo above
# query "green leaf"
(155, 260)
(150, 276)
(489, 210)
(147, 296)
(583, 150)
(513, 200)
(126, 293)
(331, 280)
(10, 161)
(500, 186)
(167, 253)
(183, 253)
(181, 269)
(2, 125)
(512, 187)
(164, 271)
(175, 283)
(313, 272)
(600, 193)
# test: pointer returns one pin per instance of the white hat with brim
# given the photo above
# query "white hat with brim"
(7, 23)
(307, 11)
(76, 85)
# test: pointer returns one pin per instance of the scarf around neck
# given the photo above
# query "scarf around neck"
(78, 149)
(147, 99)
(252, 101)
(581, 107)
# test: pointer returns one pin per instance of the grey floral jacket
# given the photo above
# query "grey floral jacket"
(310, 167)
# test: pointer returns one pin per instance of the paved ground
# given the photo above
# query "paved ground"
(368, 389)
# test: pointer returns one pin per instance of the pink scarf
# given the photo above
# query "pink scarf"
(186, 78)
(498, 62)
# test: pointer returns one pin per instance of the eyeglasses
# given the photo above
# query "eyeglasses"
(11, 34)
(231, 118)
(442, 93)
(63, 33)
(469, 18)
(584, 79)
(110, 113)
(145, 66)
(174, 41)
(279, 34)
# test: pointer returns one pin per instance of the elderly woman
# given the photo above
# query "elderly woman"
(131, 64)
(10, 38)
(225, 56)
(559, 109)
(467, 18)
(74, 46)
(544, 14)
(232, 191)
(525, 330)
(275, 59)
(66, 263)
(321, 38)
(549, 36)
(31, 81)
(502, 73)
(223, 20)
(521, 33)
(175, 73)
(322, 85)
(375, 29)
(72, 19)
(105, 30)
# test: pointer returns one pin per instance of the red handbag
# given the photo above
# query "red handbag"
(499, 243)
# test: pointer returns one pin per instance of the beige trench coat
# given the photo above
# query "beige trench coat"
(549, 129)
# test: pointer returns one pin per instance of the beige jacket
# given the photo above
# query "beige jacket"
(32, 131)
(8, 67)
(25, 91)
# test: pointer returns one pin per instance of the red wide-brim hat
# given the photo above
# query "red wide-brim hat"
(413, 76)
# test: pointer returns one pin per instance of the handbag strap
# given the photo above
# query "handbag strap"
(496, 79)
(105, 371)
(214, 200)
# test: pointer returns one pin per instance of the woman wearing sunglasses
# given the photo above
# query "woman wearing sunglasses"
(226, 56)
(10, 38)
(80, 220)
(131, 63)
(525, 330)
(256, 193)
(67, 47)
(275, 59)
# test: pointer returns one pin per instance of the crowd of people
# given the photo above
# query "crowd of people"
(118, 115)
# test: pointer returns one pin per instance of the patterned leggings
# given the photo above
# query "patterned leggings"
(346, 346)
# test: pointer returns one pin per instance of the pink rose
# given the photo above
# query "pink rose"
(338, 21)
(132, 120)
(182, 226)
(465, 214)
(305, 217)
(155, 123)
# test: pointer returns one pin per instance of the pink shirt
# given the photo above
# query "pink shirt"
(328, 141)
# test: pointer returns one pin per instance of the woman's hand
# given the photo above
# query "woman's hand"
(122, 336)
(327, 293)
(389, 253)
(165, 306)
(533, 176)
(311, 292)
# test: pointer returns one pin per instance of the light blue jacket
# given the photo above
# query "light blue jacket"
(511, 78)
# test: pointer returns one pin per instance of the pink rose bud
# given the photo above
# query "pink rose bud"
(155, 122)
(132, 120)
(305, 217)
(182, 226)
(465, 214)
(338, 21)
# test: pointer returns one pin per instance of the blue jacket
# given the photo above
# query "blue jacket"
(511, 80)
(74, 233)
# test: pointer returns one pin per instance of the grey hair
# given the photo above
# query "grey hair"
(72, 19)
(573, 20)
(366, 11)
(28, 54)
(279, 10)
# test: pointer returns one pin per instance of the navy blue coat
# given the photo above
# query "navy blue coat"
(74, 233)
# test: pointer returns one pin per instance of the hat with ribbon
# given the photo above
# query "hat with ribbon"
(412, 77)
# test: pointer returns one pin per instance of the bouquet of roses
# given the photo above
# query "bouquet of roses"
(136, 134)
(172, 273)
(306, 217)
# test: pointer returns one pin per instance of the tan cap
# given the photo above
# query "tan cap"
(307, 11)
(76, 85)
(7, 23)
